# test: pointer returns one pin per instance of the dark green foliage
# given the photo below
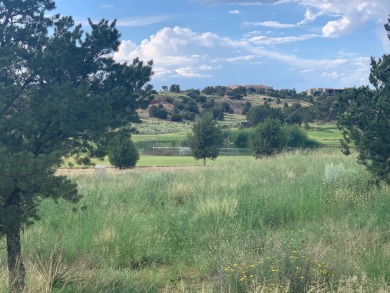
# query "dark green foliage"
(169, 100)
(237, 93)
(258, 114)
(122, 152)
(158, 112)
(177, 118)
(189, 116)
(246, 107)
(201, 99)
(187, 104)
(226, 108)
(241, 138)
(215, 90)
(218, 112)
(365, 119)
(205, 139)
(193, 93)
(60, 94)
(220, 90)
(208, 104)
(296, 137)
(174, 88)
(268, 138)
(209, 90)
(293, 114)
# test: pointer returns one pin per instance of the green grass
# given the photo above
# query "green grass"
(168, 161)
(297, 222)
(171, 161)
(178, 136)
(326, 134)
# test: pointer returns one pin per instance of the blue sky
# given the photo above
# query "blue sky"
(281, 43)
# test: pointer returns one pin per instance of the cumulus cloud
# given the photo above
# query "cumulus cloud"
(181, 52)
(175, 51)
(349, 14)
(338, 27)
(234, 11)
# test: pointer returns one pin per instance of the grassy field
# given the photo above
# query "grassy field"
(326, 134)
(297, 222)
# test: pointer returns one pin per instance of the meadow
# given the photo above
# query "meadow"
(305, 221)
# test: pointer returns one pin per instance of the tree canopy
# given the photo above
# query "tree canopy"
(365, 119)
(61, 92)
(206, 138)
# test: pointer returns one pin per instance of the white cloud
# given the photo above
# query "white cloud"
(189, 72)
(234, 11)
(307, 70)
(263, 40)
(240, 58)
(181, 52)
(333, 74)
(141, 21)
(272, 24)
(107, 6)
(350, 13)
(308, 17)
(338, 27)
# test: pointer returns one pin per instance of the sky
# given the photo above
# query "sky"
(286, 44)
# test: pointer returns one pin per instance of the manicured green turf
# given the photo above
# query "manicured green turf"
(326, 134)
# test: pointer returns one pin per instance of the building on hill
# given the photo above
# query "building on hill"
(262, 87)
(324, 91)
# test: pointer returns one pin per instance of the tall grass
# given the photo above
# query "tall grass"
(298, 222)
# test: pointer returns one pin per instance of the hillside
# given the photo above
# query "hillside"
(173, 112)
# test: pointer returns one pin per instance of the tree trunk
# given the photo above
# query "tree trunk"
(16, 269)
(204, 161)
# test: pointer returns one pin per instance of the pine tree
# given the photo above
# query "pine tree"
(365, 119)
(122, 153)
(60, 94)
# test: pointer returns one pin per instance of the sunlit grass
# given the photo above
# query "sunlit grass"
(297, 222)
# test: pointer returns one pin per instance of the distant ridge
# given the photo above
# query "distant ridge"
(255, 86)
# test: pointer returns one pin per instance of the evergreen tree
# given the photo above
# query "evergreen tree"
(365, 119)
(122, 153)
(60, 94)
(206, 138)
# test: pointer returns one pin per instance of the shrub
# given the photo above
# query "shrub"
(158, 112)
(242, 138)
(297, 137)
(177, 118)
(122, 152)
(189, 116)
(268, 138)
